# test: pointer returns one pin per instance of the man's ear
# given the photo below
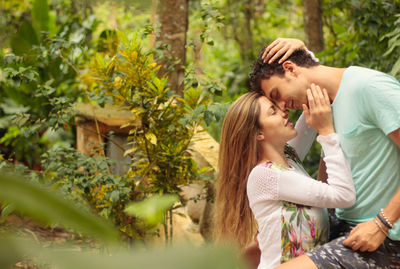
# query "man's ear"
(290, 68)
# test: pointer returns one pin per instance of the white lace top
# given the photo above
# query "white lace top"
(289, 205)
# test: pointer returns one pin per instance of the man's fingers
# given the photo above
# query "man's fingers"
(347, 241)
(364, 248)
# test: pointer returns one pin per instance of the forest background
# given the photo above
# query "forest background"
(57, 53)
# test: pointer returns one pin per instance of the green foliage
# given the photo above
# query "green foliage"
(153, 208)
(163, 124)
(38, 87)
(13, 250)
(39, 74)
(363, 33)
(40, 15)
(225, 36)
(45, 205)
(48, 207)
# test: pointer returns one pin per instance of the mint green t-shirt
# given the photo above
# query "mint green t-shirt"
(365, 110)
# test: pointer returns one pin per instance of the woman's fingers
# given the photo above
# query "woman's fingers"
(284, 57)
(321, 98)
(315, 94)
(318, 113)
(311, 101)
(273, 44)
(277, 48)
(326, 96)
(281, 46)
(284, 49)
(306, 111)
(267, 49)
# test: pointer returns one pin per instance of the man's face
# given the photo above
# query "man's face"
(286, 91)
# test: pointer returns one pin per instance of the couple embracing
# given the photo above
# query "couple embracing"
(265, 195)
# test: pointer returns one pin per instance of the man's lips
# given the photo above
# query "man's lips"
(291, 104)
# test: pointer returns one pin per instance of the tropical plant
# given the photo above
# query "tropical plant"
(38, 80)
(163, 124)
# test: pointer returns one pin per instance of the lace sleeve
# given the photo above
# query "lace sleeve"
(262, 184)
(339, 192)
(304, 139)
(292, 186)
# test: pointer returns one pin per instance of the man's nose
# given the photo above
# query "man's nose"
(281, 105)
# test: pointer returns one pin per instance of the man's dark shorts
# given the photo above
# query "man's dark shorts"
(335, 255)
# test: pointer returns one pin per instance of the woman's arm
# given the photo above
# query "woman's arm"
(267, 184)
(304, 139)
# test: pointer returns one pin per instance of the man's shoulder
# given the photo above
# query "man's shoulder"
(363, 71)
(362, 78)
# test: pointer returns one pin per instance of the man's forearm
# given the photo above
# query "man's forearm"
(392, 210)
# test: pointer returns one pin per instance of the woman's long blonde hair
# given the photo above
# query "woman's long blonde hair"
(237, 156)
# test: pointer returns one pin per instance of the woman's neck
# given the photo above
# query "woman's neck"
(274, 153)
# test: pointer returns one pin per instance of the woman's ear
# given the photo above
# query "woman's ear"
(260, 136)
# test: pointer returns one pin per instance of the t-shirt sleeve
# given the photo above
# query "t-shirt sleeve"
(381, 102)
(267, 184)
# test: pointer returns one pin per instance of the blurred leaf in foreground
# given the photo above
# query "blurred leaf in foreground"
(182, 257)
(152, 209)
(48, 207)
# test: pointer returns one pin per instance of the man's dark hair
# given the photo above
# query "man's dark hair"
(265, 70)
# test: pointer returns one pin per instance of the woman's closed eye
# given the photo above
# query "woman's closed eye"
(273, 110)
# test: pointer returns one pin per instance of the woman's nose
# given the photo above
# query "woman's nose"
(284, 113)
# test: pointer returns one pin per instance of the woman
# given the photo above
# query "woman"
(262, 185)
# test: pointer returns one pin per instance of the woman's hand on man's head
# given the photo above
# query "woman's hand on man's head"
(281, 46)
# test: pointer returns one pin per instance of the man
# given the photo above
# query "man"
(366, 112)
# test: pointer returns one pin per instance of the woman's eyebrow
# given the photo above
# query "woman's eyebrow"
(271, 107)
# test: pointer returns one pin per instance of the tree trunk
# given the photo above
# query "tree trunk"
(242, 26)
(313, 25)
(172, 16)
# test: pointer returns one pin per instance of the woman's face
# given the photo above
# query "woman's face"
(275, 126)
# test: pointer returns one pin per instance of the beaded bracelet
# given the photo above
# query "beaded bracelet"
(380, 227)
(383, 221)
(386, 218)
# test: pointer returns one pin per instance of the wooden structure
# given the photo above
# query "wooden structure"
(92, 137)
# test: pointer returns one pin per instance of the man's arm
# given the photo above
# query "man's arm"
(395, 136)
(367, 236)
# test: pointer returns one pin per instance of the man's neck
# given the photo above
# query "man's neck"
(326, 77)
